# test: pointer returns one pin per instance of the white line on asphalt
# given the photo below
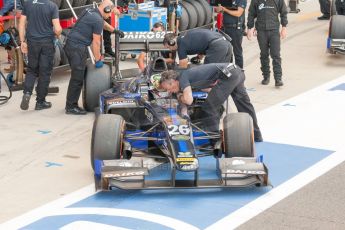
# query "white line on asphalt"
(264, 202)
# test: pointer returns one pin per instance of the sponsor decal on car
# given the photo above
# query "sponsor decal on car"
(180, 138)
(145, 35)
(124, 174)
(240, 171)
(185, 159)
(184, 154)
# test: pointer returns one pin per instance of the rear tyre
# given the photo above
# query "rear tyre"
(107, 137)
(238, 135)
(57, 57)
(96, 81)
(337, 26)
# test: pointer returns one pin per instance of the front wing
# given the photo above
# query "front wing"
(134, 174)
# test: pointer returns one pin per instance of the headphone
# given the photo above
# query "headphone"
(170, 39)
(108, 9)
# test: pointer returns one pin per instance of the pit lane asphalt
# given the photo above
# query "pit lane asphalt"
(36, 168)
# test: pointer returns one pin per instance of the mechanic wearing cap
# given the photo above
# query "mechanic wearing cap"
(38, 26)
(221, 80)
(167, 55)
(233, 21)
(267, 25)
(86, 31)
(340, 7)
(216, 47)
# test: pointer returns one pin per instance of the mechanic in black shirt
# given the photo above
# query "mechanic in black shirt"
(233, 21)
(221, 80)
(267, 26)
(86, 30)
(38, 26)
(214, 45)
(167, 55)
(340, 7)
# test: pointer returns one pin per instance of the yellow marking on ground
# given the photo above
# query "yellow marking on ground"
(308, 16)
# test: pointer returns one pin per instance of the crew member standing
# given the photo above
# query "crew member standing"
(233, 23)
(215, 47)
(40, 21)
(267, 25)
(87, 30)
(221, 80)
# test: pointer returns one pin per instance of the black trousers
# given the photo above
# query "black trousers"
(40, 65)
(236, 42)
(218, 52)
(233, 86)
(325, 7)
(340, 7)
(77, 56)
(269, 43)
(107, 39)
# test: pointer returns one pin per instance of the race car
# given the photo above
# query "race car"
(336, 35)
(143, 138)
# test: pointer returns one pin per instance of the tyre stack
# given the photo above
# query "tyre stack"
(195, 13)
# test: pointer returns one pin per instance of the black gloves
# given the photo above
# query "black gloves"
(119, 32)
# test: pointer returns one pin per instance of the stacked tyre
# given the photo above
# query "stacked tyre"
(195, 13)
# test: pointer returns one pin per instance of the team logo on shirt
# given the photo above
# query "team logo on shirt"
(262, 6)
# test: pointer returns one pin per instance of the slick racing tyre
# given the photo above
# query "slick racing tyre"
(337, 26)
(192, 15)
(107, 138)
(96, 81)
(238, 135)
(57, 56)
(201, 14)
(184, 21)
(208, 11)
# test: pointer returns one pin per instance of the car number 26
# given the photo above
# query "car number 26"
(178, 130)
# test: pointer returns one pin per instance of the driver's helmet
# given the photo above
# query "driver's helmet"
(155, 78)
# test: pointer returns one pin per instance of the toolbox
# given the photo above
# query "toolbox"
(142, 20)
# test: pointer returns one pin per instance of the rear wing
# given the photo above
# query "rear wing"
(143, 41)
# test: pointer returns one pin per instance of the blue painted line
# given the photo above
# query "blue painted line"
(338, 87)
(50, 164)
(44, 131)
(198, 207)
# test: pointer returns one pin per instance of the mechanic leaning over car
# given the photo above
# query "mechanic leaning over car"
(38, 28)
(214, 45)
(340, 7)
(267, 26)
(221, 80)
(86, 30)
(233, 21)
(167, 55)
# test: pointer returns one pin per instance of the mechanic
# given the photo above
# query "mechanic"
(267, 30)
(86, 30)
(340, 7)
(7, 9)
(216, 47)
(221, 80)
(167, 55)
(233, 23)
(325, 9)
(108, 50)
(38, 28)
